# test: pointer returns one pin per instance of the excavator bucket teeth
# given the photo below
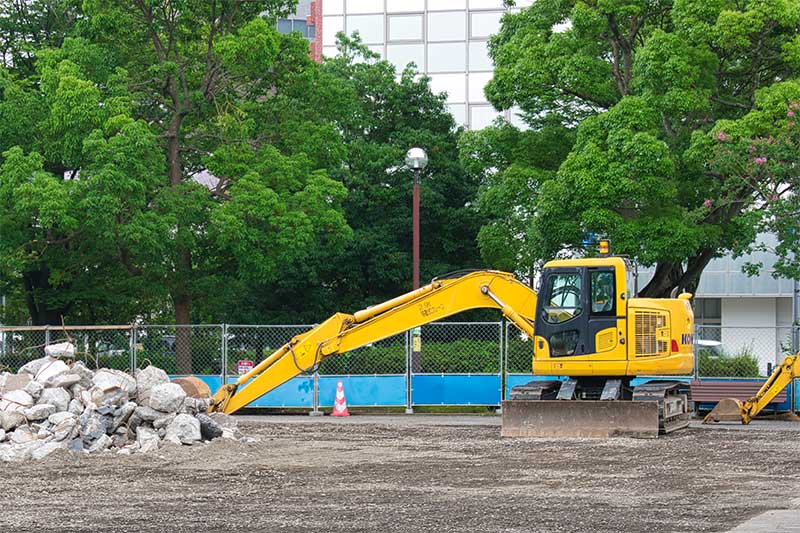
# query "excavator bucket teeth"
(580, 418)
(726, 410)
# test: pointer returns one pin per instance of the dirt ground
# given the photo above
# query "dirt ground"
(419, 473)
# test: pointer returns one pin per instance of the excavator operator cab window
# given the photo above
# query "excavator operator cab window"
(603, 293)
(563, 297)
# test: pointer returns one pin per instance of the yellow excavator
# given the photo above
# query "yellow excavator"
(586, 328)
(734, 410)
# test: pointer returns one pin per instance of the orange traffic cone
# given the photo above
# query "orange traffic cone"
(340, 405)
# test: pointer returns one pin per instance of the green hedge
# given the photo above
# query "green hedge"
(719, 364)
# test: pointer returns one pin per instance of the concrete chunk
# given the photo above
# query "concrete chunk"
(101, 444)
(2, 435)
(75, 407)
(93, 425)
(14, 452)
(209, 429)
(15, 400)
(147, 439)
(9, 382)
(34, 388)
(78, 367)
(40, 411)
(65, 380)
(106, 379)
(61, 349)
(122, 414)
(185, 429)
(167, 397)
(22, 435)
(11, 419)
(46, 449)
(50, 370)
(32, 367)
(57, 397)
(146, 379)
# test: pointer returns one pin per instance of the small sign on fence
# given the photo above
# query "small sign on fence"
(245, 366)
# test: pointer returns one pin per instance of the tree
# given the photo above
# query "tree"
(638, 83)
(186, 134)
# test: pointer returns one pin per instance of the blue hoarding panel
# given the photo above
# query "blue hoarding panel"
(297, 392)
(364, 390)
(455, 389)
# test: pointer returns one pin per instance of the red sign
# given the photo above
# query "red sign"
(245, 366)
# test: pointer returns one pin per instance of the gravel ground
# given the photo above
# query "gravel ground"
(417, 473)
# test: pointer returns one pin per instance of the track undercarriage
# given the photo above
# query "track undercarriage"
(596, 407)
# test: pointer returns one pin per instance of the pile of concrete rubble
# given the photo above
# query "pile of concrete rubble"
(50, 405)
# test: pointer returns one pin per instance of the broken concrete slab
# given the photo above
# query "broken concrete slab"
(15, 400)
(39, 411)
(78, 367)
(101, 444)
(2, 435)
(107, 379)
(65, 380)
(51, 369)
(32, 367)
(163, 421)
(46, 449)
(93, 425)
(9, 382)
(14, 452)
(75, 407)
(34, 388)
(209, 429)
(9, 420)
(147, 439)
(146, 379)
(22, 435)
(58, 397)
(61, 349)
(122, 414)
(185, 429)
(167, 397)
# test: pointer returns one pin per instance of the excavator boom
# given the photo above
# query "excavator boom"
(731, 409)
(342, 332)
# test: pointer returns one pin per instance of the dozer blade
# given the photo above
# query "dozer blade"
(726, 410)
(579, 418)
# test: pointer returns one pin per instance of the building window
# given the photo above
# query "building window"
(370, 27)
(362, 6)
(330, 27)
(477, 82)
(485, 24)
(708, 311)
(439, 5)
(447, 26)
(401, 55)
(459, 112)
(452, 84)
(486, 4)
(332, 7)
(479, 56)
(481, 116)
(404, 6)
(405, 28)
(447, 57)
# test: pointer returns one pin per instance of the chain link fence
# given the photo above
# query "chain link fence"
(747, 352)
(457, 348)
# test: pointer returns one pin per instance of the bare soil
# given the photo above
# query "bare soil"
(395, 474)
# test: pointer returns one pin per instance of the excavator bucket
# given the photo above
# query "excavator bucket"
(727, 410)
(580, 418)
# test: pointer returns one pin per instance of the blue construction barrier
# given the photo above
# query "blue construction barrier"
(373, 391)
(455, 389)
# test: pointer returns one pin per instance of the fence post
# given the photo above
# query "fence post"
(223, 371)
(696, 369)
(501, 327)
(132, 349)
(409, 407)
(315, 411)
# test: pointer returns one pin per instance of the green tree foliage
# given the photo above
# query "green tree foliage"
(631, 87)
(166, 151)
(380, 114)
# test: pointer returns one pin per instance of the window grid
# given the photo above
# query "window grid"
(467, 104)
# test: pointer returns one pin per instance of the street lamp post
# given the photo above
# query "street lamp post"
(416, 160)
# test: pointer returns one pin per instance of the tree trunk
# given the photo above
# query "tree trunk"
(669, 275)
(183, 334)
(41, 314)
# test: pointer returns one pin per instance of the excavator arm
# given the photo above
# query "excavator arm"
(342, 332)
(733, 409)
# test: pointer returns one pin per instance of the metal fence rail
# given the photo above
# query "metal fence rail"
(446, 363)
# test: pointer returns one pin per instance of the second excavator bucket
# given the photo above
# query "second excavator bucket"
(580, 418)
(727, 410)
